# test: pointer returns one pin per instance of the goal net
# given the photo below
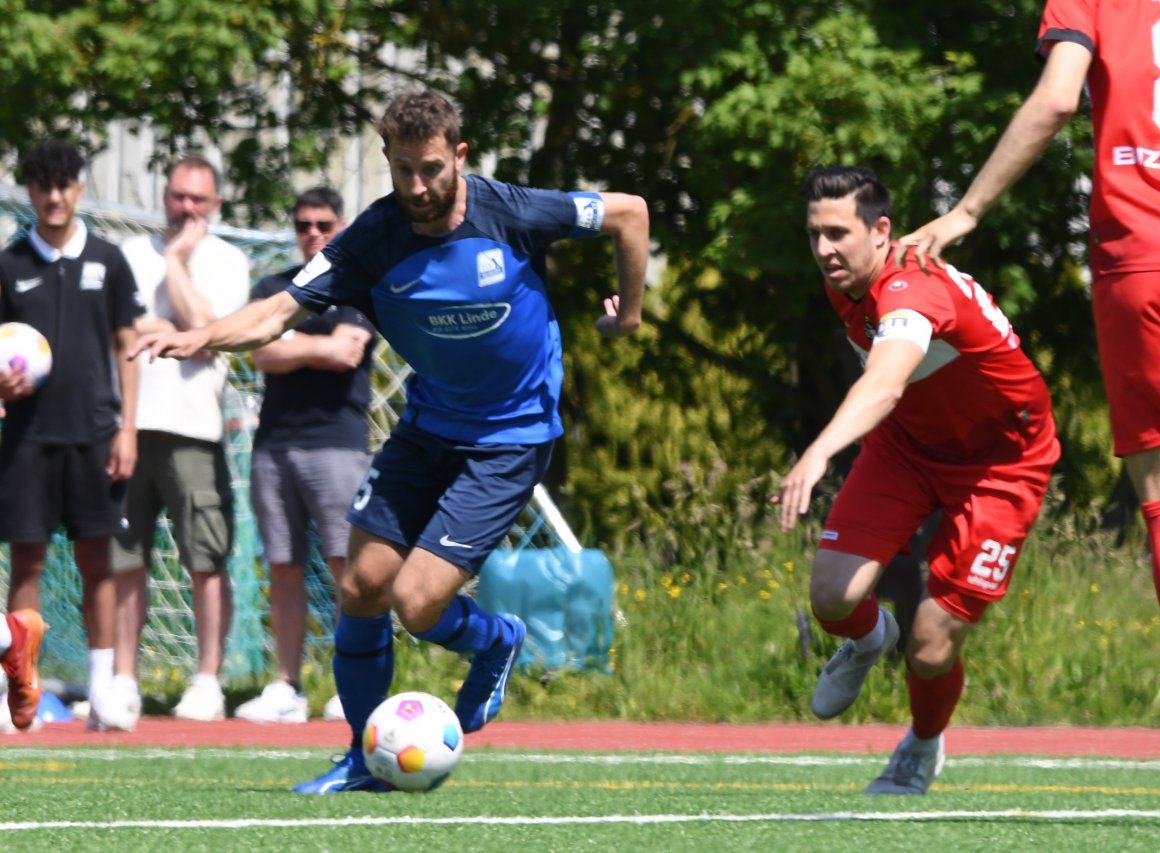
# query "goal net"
(168, 645)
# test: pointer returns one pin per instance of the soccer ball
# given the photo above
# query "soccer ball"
(412, 742)
(24, 349)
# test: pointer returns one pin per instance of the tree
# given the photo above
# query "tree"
(713, 110)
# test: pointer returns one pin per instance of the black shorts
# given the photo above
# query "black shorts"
(45, 486)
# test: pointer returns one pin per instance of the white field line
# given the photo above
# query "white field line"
(518, 820)
(565, 758)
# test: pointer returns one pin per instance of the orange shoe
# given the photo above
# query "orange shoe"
(20, 665)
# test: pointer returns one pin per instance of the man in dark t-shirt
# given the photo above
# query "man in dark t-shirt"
(310, 454)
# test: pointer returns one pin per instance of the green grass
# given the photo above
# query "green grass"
(726, 636)
(719, 640)
(177, 800)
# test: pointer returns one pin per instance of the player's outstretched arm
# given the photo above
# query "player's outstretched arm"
(1053, 101)
(257, 323)
(868, 402)
(626, 221)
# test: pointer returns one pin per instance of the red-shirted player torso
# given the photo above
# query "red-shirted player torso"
(1124, 85)
(976, 397)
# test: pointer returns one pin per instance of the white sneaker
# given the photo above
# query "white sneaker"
(201, 702)
(333, 709)
(912, 768)
(6, 726)
(841, 680)
(115, 709)
(279, 702)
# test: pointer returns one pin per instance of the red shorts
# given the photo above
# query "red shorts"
(987, 512)
(1127, 313)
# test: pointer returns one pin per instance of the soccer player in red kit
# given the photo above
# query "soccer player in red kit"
(1115, 48)
(952, 416)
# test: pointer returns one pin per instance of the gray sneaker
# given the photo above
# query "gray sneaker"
(841, 680)
(911, 769)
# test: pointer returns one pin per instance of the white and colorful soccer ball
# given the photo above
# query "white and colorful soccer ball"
(412, 741)
(24, 349)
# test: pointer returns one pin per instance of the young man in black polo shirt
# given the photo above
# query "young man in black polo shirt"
(67, 447)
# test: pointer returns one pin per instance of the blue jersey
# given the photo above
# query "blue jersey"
(468, 310)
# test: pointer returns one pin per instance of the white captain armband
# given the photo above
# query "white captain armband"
(589, 212)
(905, 324)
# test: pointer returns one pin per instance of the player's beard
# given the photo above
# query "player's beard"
(438, 205)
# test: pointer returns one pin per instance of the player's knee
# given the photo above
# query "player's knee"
(931, 659)
(417, 615)
(830, 600)
(360, 595)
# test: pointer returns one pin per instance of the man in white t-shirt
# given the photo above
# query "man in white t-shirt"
(187, 278)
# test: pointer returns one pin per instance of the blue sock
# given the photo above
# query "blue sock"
(466, 627)
(364, 666)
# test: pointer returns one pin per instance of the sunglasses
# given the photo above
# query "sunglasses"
(324, 226)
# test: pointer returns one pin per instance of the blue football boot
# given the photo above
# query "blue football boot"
(348, 774)
(482, 693)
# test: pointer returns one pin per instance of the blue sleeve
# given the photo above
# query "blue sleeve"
(530, 219)
(335, 276)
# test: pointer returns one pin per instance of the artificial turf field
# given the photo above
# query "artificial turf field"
(547, 787)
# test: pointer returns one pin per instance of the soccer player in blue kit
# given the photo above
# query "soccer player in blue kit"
(450, 269)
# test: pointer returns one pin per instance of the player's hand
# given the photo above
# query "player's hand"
(180, 345)
(15, 385)
(929, 241)
(797, 487)
(612, 325)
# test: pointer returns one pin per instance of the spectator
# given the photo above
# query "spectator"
(188, 278)
(450, 268)
(310, 454)
(68, 447)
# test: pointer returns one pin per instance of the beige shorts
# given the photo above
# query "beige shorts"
(189, 481)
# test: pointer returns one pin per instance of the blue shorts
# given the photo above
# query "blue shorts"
(453, 499)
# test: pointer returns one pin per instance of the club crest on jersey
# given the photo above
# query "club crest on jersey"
(93, 276)
(897, 284)
(489, 266)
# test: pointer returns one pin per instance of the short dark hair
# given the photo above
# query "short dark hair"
(196, 161)
(51, 163)
(417, 116)
(320, 196)
(871, 198)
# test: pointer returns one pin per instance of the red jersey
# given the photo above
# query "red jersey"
(975, 397)
(1124, 85)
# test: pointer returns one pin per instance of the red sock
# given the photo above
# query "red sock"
(859, 623)
(1151, 512)
(933, 700)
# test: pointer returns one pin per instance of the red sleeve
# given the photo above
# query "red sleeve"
(920, 292)
(1067, 20)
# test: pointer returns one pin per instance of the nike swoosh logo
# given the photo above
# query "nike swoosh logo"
(400, 288)
(447, 542)
(23, 285)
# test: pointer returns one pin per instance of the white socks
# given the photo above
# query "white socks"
(100, 671)
(207, 682)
